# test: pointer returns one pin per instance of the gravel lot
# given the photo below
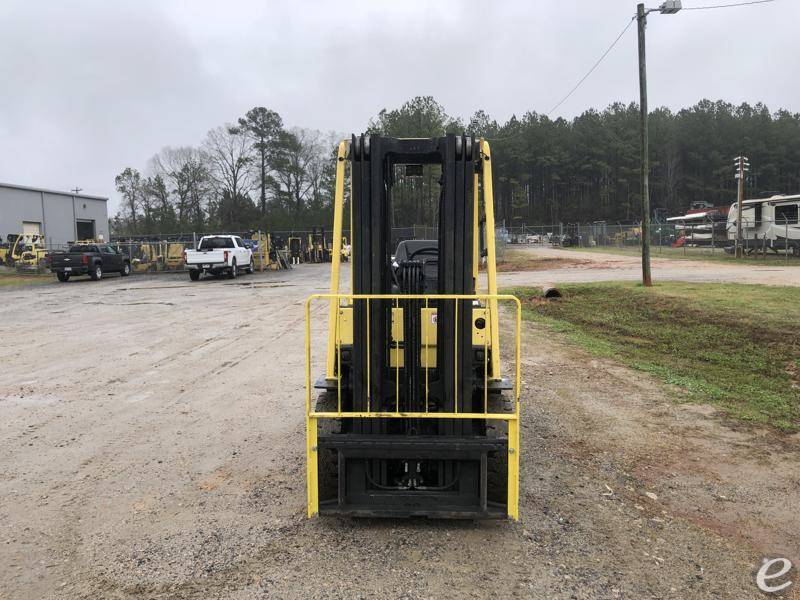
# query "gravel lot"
(599, 266)
(152, 446)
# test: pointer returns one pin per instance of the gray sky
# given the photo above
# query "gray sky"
(90, 87)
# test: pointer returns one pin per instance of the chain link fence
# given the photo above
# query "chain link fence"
(678, 236)
(697, 237)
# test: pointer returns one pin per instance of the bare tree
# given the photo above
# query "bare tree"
(298, 167)
(227, 151)
(188, 179)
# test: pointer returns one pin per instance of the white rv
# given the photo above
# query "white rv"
(772, 223)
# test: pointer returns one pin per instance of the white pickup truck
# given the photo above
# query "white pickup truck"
(217, 254)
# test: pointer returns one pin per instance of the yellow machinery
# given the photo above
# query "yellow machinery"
(266, 255)
(147, 257)
(5, 248)
(172, 253)
(412, 420)
(25, 252)
(294, 246)
(261, 258)
(317, 248)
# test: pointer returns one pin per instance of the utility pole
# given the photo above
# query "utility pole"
(670, 7)
(742, 166)
(641, 17)
(76, 190)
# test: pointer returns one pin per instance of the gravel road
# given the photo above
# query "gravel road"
(598, 266)
(152, 446)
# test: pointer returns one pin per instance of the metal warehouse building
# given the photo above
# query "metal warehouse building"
(60, 217)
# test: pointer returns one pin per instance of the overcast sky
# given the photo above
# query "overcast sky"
(90, 87)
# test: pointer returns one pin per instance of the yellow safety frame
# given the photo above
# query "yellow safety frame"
(312, 416)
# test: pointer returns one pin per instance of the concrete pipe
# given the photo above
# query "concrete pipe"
(550, 292)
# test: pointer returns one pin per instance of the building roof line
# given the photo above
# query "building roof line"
(47, 191)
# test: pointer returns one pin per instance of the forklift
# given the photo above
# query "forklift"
(316, 250)
(411, 419)
(25, 251)
(294, 246)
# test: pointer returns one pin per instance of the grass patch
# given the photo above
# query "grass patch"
(694, 254)
(734, 346)
(12, 280)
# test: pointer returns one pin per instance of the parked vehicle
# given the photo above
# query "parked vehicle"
(217, 254)
(770, 223)
(93, 260)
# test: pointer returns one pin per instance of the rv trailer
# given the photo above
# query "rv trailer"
(768, 223)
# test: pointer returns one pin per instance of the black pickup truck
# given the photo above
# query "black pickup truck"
(89, 259)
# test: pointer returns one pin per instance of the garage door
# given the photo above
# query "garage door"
(85, 229)
(31, 228)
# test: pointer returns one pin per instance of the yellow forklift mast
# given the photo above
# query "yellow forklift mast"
(412, 419)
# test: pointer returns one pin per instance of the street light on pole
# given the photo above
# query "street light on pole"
(670, 7)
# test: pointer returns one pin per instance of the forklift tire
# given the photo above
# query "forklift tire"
(194, 274)
(327, 460)
(126, 269)
(497, 462)
(62, 277)
(233, 272)
(97, 273)
(251, 269)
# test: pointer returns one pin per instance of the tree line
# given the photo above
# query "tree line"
(251, 174)
(256, 173)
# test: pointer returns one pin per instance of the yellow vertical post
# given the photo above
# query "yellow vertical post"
(491, 255)
(397, 359)
(514, 449)
(485, 368)
(338, 361)
(312, 489)
(513, 468)
(336, 257)
(312, 454)
(476, 231)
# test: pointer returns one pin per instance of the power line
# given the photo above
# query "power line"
(618, 38)
(597, 64)
(727, 5)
